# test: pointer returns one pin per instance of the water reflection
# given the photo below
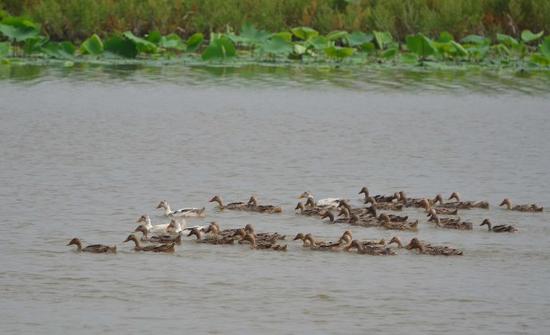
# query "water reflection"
(372, 78)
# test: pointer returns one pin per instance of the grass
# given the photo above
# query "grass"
(76, 20)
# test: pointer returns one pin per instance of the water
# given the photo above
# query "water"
(84, 152)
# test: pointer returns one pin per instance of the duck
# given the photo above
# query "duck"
(346, 237)
(255, 244)
(379, 198)
(425, 203)
(521, 208)
(397, 241)
(233, 205)
(451, 223)
(415, 202)
(369, 249)
(428, 249)
(313, 211)
(182, 212)
(364, 221)
(165, 238)
(302, 237)
(323, 245)
(168, 247)
(263, 237)
(393, 206)
(160, 228)
(253, 205)
(92, 248)
(325, 203)
(464, 204)
(388, 224)
(499, 228)
(328, 214)
(214, 230)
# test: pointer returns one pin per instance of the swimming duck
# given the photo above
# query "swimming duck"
(93, 248)
(499, 228)
(378, 197)
(388, 224)
(438, 210)
(369, 249)
(346, 237)
(429, 249)
(323, 245)
(253, 205)
(521, 208)
(166, 238)
(169, 247)
(183, 212)
(384, 205)
(364, 221)
(269, 237)
(325, 203)
(160, 228)
(255, 244)
(308, 211)
(451, 223)
(328, 214)
(233, 206)
(464, 204)
(397, 241)
(302, 237)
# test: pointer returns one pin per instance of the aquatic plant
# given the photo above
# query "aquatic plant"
(300, 44)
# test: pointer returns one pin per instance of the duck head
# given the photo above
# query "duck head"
(299, 236)
(174, 226)
(344, 212)
(196, 232)
(415, 244)
(131, 237)
(384, 217)
(424, 203)
(305, 195)
(310, 203)
(455, 195)
(438, 198)
(162, 204)
(252, 201)
(397, 241)
(486, 222)
(328, 214)
(143, 219)
(76, 241)
(213, 228)
(506, 202)
(365, 191)
(402, 196)
(141, 228)
(217, 199)
(299, 207)
(249, 229)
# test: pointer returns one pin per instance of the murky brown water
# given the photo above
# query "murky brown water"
(85, 156)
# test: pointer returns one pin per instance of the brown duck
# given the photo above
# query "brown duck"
(92, 248)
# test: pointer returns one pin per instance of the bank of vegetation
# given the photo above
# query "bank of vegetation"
(356, 32)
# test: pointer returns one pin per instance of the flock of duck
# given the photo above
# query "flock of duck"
(163, 238)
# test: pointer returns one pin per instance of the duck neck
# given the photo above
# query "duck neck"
(220, 202)
(167, 209)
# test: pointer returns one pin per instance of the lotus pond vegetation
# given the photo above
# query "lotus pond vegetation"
(23, 40)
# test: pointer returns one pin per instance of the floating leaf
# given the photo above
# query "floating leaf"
(220, 48)
(92, 46)
(507, 40)
(358, 38)
(276, 46)
(154, 37)
(382, 39)
(545, 47)
(475, 39)
(60, 50)
(194, 42)
(337, 35)
(304, 33)
(390, 53)
(285, 35)
(121, 46)
(18, 29)
(318, 43)
(34, 44)
(445, 37)
(172, 42)
(338, 52)
(4, 49)
(421, 45)
(527, 36)
(250, 36)
(142, 44)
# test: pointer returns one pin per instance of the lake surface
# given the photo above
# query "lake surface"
(85, 151)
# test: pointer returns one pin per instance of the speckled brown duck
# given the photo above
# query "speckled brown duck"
(369, 249)
(166, 248)
(252, 205)
(428, 249)
(499, 228)
(92, 248)
(393, 225)
(521, 208)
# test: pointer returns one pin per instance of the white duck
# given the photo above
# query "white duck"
(175, 226)
(325, 203)
(182, 212)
